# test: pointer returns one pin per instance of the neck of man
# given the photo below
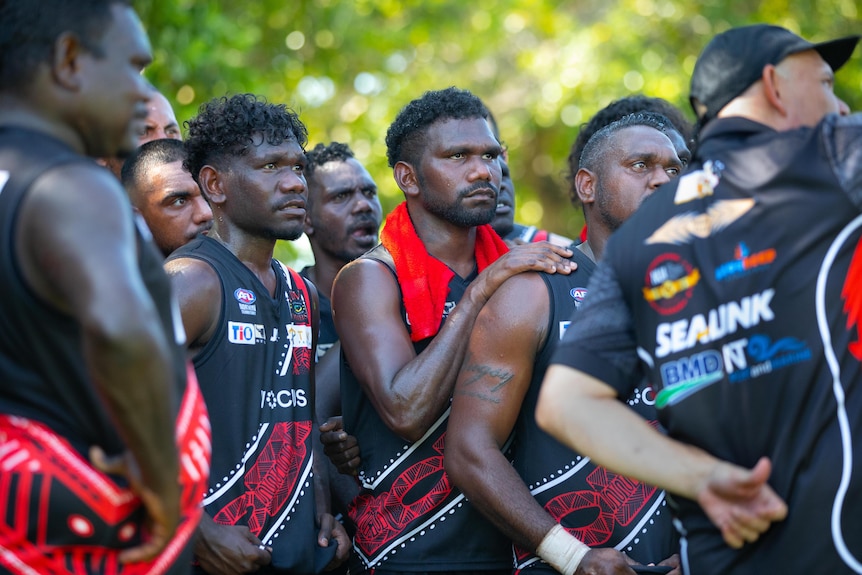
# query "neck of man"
(452, 244)
(322, 273)
(16, 112)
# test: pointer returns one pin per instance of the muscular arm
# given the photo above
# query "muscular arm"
(77, 250)
(220, 549)
(584, 413)
(508, 333)
(198, 290)
(410, 391)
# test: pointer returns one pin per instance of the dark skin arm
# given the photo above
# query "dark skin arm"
(366, 308)
(227, 549)
(220, 549)
(86, 266)
(508, 333)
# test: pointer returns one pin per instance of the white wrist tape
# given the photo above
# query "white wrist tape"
(562, 550)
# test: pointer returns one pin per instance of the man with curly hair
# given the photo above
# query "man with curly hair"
(251, 324)
(404, 312)
(103, 430)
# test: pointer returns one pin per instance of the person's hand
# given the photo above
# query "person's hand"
(604, 561)
(673, 561)
(162, 509)
(331, 529)
(340, 447)
(511, 243)
(740, 502)
(229, 549)
(537, 257)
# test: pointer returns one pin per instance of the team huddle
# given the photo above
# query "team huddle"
(444, 390)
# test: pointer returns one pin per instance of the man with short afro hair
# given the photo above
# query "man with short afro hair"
(251, 326)
(404, 312)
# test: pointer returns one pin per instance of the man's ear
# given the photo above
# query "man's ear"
(773, 88)
(405, 177)
(585, 185)
(66, 61)
(308, 227)
(212, 184)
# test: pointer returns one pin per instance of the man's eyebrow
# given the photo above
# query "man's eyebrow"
(174, 194)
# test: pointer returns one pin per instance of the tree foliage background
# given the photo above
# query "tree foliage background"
(542, 67)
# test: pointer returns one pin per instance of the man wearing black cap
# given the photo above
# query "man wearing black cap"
(748, 329)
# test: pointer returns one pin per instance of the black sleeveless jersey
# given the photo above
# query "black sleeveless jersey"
(43, 375)
(328, 335)
(738, 289)
(409, 516)
(254, 376)
(600, 508)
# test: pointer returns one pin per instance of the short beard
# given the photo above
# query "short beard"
(455, 213)
(612, 222)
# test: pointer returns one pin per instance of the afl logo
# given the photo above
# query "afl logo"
(244, 296)
(578, 294)
(670, 282)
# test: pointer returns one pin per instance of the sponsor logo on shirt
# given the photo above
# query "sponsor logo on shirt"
(757, 355)
(726, 319)
(700, 184)
(246, 299)
(299, 335)
(740, 360)
(245, 333)
(298, 309)
(283, 398)
(578, 294)
(687, 375)
(645, 395)
(684, 228)
(670, 282)
(744, 262)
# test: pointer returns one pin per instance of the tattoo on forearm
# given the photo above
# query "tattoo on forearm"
(499, 378)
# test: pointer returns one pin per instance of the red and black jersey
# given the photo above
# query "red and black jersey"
(58, 514)
(600, 508)
(254, 375)
(409, 517)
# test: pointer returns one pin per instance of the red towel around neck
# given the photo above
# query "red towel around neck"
(424, 279)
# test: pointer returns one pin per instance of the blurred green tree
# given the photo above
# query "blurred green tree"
(543, 67)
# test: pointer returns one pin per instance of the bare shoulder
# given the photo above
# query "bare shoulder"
(366, 270)
(74, 230)
(198, 290)
(77, 195)
(193, 275)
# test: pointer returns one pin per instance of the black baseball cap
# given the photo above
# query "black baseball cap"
(734, 60)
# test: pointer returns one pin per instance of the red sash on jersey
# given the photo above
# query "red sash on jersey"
(60, 516)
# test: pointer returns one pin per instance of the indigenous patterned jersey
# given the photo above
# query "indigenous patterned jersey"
(54, 505)
(736, 288)
(599, 507)
(254, 374)
(409, 516)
